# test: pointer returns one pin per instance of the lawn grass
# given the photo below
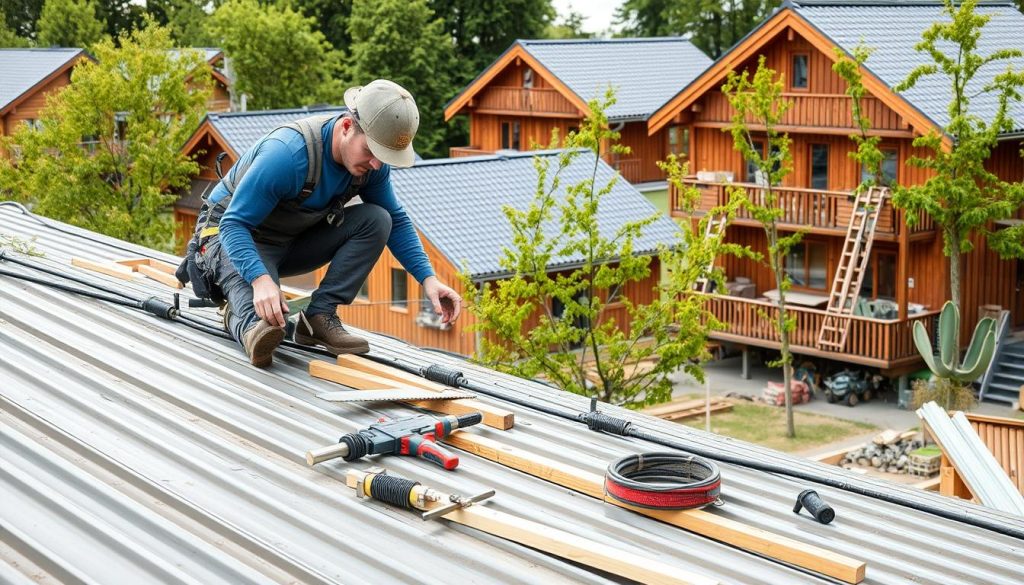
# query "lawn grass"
(766, 425)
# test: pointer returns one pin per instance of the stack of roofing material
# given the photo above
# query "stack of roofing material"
(972, 459)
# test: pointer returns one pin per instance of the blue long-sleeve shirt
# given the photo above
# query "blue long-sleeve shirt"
(277, 172)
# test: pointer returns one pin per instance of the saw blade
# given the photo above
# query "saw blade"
(398, 394)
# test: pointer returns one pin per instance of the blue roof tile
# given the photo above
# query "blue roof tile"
(243, 129)
(645, 72)
(893, 28)
(457, 204)
(21, 69)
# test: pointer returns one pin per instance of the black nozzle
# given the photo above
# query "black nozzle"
(357, 444)
(202, 303)
(821, 511)
(159, 308)
(468, 420)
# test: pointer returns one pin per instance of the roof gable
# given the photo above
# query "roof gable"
(21, 70)
(457, 205)
(645, 72)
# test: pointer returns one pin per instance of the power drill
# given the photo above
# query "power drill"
(415, 436)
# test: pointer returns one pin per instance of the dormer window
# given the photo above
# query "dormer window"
(528, 78)
(799, 75)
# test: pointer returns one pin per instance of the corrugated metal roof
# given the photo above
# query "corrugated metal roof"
(457, 204)
(21, 69)
(645, 72)
(893, 28)
(243, 129)
(135, 450)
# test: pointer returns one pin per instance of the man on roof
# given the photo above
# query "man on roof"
(281, 210)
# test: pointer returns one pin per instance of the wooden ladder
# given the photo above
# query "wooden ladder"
(853, 262)
(714, 229)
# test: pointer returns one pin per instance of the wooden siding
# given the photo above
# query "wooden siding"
(641, 164)
(485, 131)
(1004, 437)
(32, 105)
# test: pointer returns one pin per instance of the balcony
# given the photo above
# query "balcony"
(460, 151)
(630, 169)
(880, 343)
(520, 100)
(831, 113)
(821, 212)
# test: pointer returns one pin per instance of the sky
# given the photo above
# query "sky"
(597, 14)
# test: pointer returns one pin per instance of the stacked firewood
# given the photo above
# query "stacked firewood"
(888, 452)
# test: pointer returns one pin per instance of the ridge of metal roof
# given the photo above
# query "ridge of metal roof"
(135, 450)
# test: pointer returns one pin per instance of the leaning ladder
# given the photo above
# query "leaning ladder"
(714, 229)
(853, 262)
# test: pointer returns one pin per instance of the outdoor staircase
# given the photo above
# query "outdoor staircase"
(1007, 374)
(853, 262)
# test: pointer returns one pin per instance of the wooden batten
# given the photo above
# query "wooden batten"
(756, 540)
(108, 268)
(492, 416)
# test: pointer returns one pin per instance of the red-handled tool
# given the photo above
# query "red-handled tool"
(414, 436)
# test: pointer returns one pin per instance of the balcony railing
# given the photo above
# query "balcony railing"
(812, 110)
(520, 99)
(875, 342)
(816, 209)
(630, 169)
(457, 151)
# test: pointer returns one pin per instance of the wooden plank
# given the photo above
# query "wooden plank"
(749, 538)
(108, 268)
(159, 276)
(685, 414)
(163, 267)
(562, 544)
(361, 364)
(133, 262)
(493, 416)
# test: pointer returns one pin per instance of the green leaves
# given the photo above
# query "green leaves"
(69, 23)
(108, 155)
(979, 353)
(559, 325)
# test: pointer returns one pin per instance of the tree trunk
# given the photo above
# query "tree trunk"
(955, 258)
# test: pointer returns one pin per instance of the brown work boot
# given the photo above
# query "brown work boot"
(326, 329)
(260, 341)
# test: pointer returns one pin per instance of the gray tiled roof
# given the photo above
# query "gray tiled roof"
(208, 52)
(136, 450)
(645, 72)
(893, 28)
(243, 129)
(457, 204)
(21, 69)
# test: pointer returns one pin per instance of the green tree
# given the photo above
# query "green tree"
(69, 23)
(483, 29)
(961, 195)
(759, 101)
(8, 37)
(121, 17)
(867, 154)
(403, 41)
(569, 26)
(108, 156)
(22, 15)
(564, 347)
(331, 17)
(712, 25)
(186, 19)
(278, 57)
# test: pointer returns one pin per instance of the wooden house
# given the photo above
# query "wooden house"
(537, 86)
(220, 97)
(456, 206)
(905, 274)
(27, 76)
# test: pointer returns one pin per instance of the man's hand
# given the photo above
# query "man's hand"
(445, 300)
(268, 300)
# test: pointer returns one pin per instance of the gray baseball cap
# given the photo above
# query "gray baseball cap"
(388, 115)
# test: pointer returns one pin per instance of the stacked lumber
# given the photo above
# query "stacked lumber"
(774, 393)
(363, 374)
(683, 409)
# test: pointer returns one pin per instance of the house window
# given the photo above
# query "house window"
(528, 78)
(753, 172)
(889, 168)
(399, 289)
(807, 266)
(510, 135)
(364, 291)
(880, 277)
(799, 80)
(121, 126)
(34, 124)
(679, 141)
(819, 166)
